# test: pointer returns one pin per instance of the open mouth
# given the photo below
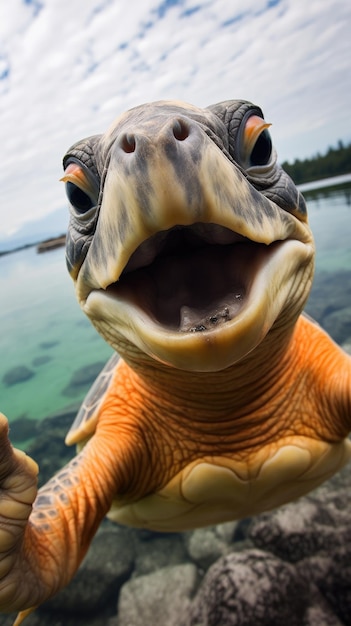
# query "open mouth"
(192, 278)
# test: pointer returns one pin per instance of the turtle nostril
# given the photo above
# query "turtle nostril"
(127, 142)
(180, 130)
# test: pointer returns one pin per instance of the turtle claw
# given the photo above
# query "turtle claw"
(22, 616)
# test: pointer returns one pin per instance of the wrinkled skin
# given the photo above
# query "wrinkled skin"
(192, 255)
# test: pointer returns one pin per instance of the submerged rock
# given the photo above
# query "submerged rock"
(162, 551)
(17, 375)
(329, 303)
(46, 345)
(249, 588)
(82, 379)
(23, 428)
(254, 588)
(159, 598)
(338, 324)
(206, 545)
(41, 360)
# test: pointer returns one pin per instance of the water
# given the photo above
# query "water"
(330, 219)
(43, 328)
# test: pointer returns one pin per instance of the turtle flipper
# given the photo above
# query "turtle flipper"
(328, 375)
(18, 489)
(42, 544)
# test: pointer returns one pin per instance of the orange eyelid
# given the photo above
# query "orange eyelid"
(75, 174)
(253, 128)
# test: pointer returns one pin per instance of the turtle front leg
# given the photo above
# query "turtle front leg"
(18, 489)
(44, 535)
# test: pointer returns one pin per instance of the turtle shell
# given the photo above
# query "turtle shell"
(84, 424)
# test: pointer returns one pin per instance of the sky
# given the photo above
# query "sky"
(67, 69)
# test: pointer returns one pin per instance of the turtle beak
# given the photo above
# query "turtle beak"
(176, 178)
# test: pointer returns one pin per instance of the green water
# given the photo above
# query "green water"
(39, 316)
(330, 220)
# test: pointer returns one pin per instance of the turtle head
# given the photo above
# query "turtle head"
(186, 238)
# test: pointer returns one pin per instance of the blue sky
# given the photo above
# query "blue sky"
(67, 69)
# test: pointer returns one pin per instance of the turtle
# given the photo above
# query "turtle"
(192, 255)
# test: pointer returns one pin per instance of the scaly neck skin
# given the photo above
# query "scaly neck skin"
(235, 390)
(277, 395)
(180, 416)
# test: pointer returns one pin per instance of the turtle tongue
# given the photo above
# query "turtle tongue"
(194, 320)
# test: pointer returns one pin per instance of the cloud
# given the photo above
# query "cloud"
(67, 69)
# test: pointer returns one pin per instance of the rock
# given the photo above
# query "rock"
(23, 428)
(250, 588)
(338, 324)
(41, 360)
(159, 598)
(347, 347)
(318, 523)
(17, 375)
(161, 552)
(206, 545)
(82, 378)
(329, 303)
(46, 345)
(331, 573)
(226, 532)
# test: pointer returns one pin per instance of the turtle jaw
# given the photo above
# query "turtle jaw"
(208, 335)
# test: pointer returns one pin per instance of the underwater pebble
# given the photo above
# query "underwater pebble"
(205, 547)
(162, 551)
(41, 360)
(23, 428)
(158, 598)
(82, 378)
(329, 303)
(16, 375)
(46, 345)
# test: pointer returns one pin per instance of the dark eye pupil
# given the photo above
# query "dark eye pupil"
(78, 198)
(262, 150)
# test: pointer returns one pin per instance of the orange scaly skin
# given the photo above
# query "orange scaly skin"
(142, 433)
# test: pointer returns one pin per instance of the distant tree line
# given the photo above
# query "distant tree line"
(335, 162)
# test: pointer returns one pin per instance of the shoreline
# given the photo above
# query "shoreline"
(41, 246)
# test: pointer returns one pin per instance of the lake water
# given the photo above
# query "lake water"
(43, 328)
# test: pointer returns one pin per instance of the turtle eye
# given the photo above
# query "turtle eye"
(256, 148)
(262, 150)
(78, 198)
(80, 189)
